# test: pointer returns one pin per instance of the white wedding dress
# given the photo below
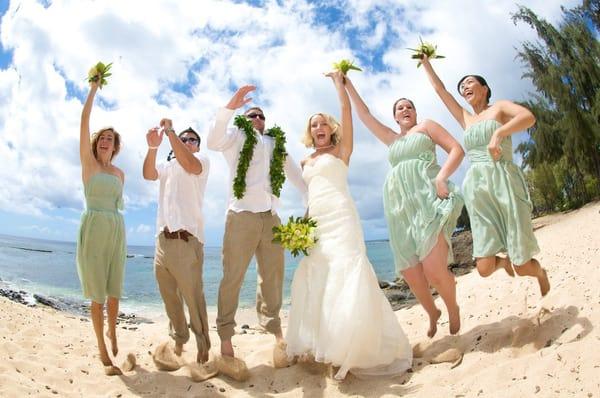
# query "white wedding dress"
(339, 314)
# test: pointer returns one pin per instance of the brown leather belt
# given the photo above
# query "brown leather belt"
(181, 234)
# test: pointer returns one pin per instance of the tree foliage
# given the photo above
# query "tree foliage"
(562, 154)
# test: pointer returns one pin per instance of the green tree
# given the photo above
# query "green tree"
(564, 66)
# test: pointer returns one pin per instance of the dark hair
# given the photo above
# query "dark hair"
(254, 108)
(188, 130)
(402, 99)
(481, 81)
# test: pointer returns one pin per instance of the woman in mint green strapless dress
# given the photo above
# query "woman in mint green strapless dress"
(101, 250)
(496, 194)
(421, 206)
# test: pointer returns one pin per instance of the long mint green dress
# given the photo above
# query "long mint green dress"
(414, 213)
(497, 198)
(101, 249)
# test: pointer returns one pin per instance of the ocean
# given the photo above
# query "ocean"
(48, 268)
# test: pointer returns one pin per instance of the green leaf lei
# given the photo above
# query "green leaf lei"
(276, 168)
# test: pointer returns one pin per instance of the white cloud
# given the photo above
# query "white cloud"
(184, 59)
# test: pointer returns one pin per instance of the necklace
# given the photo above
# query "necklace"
(276, 171)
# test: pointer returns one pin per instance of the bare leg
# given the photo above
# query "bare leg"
(178, 348)
(488, 265)
(112, 310)
(98, 322)
(415, 278)
(435, 267)
(227, 348)
(533, 268)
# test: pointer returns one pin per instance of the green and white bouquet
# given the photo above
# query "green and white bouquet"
(423, 49)
(345, 65)
(99, 73)
(297, 236)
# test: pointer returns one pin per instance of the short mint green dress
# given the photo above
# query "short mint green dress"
(101, 249)
(497, 198)
(414, 213)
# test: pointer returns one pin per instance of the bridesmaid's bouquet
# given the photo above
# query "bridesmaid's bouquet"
(345, 65)
(99, 73)
(423, 49)
(297, 236)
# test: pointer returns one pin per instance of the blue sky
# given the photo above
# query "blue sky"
(185, 61)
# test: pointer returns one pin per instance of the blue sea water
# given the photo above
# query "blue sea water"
(48, 268)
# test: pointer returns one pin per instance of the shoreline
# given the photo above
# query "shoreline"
(512, 342)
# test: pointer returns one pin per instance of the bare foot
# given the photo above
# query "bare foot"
(233, 367)
(112, 371)
(506, 264)
(280, 358)
(433, 324)
(227, 348)
(113, 342)
(178, 349)
(542, 279)
(454, 320)
(202, 357)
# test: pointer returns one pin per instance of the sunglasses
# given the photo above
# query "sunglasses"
(255, 115)
(191, 140)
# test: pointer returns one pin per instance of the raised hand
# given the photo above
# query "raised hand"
(154, 138)
(494, 147)
(337, 76)
(166, 124)
(239, 98)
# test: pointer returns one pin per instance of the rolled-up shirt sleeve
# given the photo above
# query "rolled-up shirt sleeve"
(294, 175)
(220, 138)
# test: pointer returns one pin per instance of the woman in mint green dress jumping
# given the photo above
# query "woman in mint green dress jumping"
(421, 206)
(495, 191)
(101, 249)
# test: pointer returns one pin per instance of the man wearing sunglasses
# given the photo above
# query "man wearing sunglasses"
(180, 232)
(248, 228)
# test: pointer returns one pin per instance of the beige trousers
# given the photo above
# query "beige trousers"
(178, 271)
(248, 234)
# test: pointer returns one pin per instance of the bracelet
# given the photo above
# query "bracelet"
(170, 130)
(152, 147)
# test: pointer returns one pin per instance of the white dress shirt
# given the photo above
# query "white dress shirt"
(180, 197)
(258, 196)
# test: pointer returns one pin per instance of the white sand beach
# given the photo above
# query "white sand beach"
(512, 343)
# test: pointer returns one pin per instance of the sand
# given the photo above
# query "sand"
(513, 343)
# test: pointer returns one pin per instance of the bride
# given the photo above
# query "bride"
(339, 315)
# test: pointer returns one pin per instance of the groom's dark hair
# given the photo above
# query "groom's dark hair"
(254, 108)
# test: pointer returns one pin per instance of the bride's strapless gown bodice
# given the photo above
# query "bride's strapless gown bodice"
(338, 313)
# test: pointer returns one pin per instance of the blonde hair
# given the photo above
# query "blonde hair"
(336, 131)
(117, 141)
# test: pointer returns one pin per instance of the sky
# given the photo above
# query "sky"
(185, 59)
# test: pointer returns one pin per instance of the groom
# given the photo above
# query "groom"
(252, 156)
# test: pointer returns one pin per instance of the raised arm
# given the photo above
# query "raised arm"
(186, 159)
(443, 138)
(380, 130)
(85, 146)
(219, 139)
(346, 144)
(154, 139)
(448, 99)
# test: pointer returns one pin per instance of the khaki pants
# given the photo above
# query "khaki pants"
(247, 234)
(178, 271)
